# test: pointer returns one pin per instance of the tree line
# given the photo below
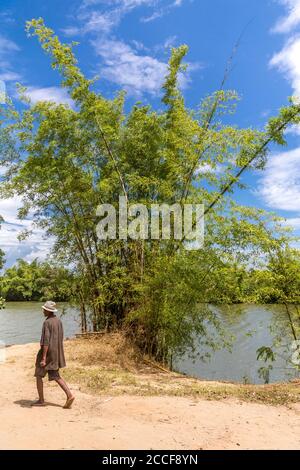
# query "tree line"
(36, 281)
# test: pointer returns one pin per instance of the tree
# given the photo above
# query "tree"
(2, 259)
(66, 161)
(2, 254)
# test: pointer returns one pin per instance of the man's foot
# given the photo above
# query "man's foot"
(69, 403)
(38, 403)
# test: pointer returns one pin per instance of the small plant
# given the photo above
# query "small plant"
(265, 354)
(264, 373)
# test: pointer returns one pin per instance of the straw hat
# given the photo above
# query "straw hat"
(50, 306)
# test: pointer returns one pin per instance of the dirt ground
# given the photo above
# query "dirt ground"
(126, 421)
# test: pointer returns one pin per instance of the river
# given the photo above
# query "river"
(21, 322)
(251, 327)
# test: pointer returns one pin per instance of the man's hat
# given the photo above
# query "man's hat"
(50, 306)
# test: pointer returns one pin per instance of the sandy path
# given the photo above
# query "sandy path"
(133, 422)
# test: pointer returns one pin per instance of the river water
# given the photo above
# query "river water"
(250, 326)
(21, 322)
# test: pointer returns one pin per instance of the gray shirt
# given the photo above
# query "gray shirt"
(52, 336)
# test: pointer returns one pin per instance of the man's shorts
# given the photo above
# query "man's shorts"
(41, 372)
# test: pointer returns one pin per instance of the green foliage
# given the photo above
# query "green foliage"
(266, 354)
(36, 281)
(171, 310)
(2, 254)
(264, 373)
(2, 259)
(279, 281)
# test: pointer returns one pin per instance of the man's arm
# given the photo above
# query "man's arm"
(44, 356)
(45, 340)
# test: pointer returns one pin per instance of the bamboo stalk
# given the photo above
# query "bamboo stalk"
(90, 333)
(153, 364)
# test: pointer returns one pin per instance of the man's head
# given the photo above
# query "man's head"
(49, 308)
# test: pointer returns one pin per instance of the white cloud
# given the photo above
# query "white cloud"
(293, 222)
(154, 16)
(294, 129)
(55, 94)
(288, 62)
(9, 76)
(207, 168)
(134, 72)
(9, 208)
(124, 66)
(104, 20)
(162, 10)
(71, 31)
(36, 246)
(288, 22)
(170, 42)
(99, 22)
(280, 184)
(166, 45)
(102, 16)
(125, 4)
(7, 46)
(7, 49)
(7, 17)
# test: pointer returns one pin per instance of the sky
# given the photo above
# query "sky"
(126, 43)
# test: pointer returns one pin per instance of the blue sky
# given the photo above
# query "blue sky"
(127, 43)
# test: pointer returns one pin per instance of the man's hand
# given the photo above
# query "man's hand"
(43, 363)
(44, 355)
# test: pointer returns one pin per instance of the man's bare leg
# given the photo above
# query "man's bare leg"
(65, 388)
(40, 389)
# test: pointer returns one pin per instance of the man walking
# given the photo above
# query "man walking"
(50, 357)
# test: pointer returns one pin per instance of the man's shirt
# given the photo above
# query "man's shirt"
(52, 336)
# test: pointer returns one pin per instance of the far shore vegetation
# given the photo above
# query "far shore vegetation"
(38, 281)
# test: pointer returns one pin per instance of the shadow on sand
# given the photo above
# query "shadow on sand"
(28, 403)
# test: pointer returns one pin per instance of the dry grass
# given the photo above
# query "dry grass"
(106, 351)
(111, 365)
